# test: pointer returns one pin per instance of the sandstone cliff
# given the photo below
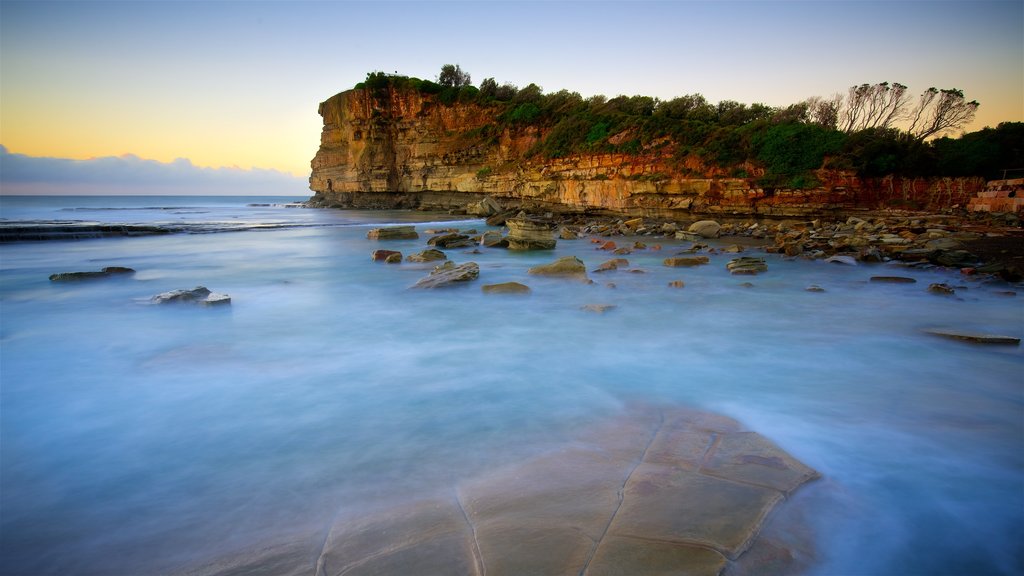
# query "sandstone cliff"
(400, 148)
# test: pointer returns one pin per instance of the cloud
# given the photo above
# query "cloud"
(129, 174)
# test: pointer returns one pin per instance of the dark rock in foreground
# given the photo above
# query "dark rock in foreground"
(199, 295)
(104, 273)
(679, 492)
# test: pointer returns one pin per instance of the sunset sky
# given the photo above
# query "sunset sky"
(236, 84)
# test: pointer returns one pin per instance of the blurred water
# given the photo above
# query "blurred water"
(143, 439)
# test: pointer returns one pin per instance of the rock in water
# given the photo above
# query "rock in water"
(199, 295)
(393, 233)
(747, 265)
(451, 240)
(506, 288)
(686, 261)
(566, 266)
(75, 276)
(893, 279)
(705, 228)
(527, 234)
(974, 337)
(493, 239)
(598, 308)
(389, 256)
(448, 274)
(429, 255)
(842, 259)
(941, 288)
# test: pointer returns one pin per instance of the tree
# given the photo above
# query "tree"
(939, 111)
(873, 106)
(452, 76)
(488, 88)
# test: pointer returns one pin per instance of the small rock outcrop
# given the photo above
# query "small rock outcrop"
(451, 240)
(893, 279)
(566, 266)
(104, 273)
(528, 234)
(389, 256)
(428, 255)
(393, 233)
(747, 265)
(974, 337)
(448, 274)
(506, 288)
(199, 295)
(686, 261)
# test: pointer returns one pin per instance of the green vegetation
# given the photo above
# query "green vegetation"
(857, 132)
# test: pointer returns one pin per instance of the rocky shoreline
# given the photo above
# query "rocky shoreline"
(976, 243)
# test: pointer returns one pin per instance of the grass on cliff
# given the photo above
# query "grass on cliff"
(782, 143)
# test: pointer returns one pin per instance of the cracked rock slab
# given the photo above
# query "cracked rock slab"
(671, 491)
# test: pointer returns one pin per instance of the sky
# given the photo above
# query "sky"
(232, 85)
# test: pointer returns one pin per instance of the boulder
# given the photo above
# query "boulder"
(746, 265)
(567, 266)
(428, 255)
(486, 207)
(448, 274)
(199, 295)
(104, 273)
(677, 262)
(953, 258)
(506, 288)
(528, 234)
(389, 256)
(677, 284)
(634, 223)
(393, 233)
(705, 228)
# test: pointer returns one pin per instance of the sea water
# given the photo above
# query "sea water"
(144, 439)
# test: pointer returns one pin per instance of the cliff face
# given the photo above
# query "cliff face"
(404, 149)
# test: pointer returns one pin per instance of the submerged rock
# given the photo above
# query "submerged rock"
(200, 295)
(598, 308)
(842, 259)
(527, 234)
(448, 274)
(104, 273)
(393, 233)
(941, 288)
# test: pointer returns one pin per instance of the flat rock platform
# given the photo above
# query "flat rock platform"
(660, 492)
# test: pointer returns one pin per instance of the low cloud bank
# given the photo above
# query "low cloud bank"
(129, 174)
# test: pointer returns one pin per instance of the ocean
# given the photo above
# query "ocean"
(144, 439)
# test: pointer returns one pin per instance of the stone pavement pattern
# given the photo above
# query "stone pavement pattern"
(662, 492)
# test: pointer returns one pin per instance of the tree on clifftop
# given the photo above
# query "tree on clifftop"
(452, 76)
(939, 111)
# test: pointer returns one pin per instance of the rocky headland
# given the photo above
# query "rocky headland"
(401, 148)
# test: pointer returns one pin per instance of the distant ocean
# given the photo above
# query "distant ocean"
(143, 439)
